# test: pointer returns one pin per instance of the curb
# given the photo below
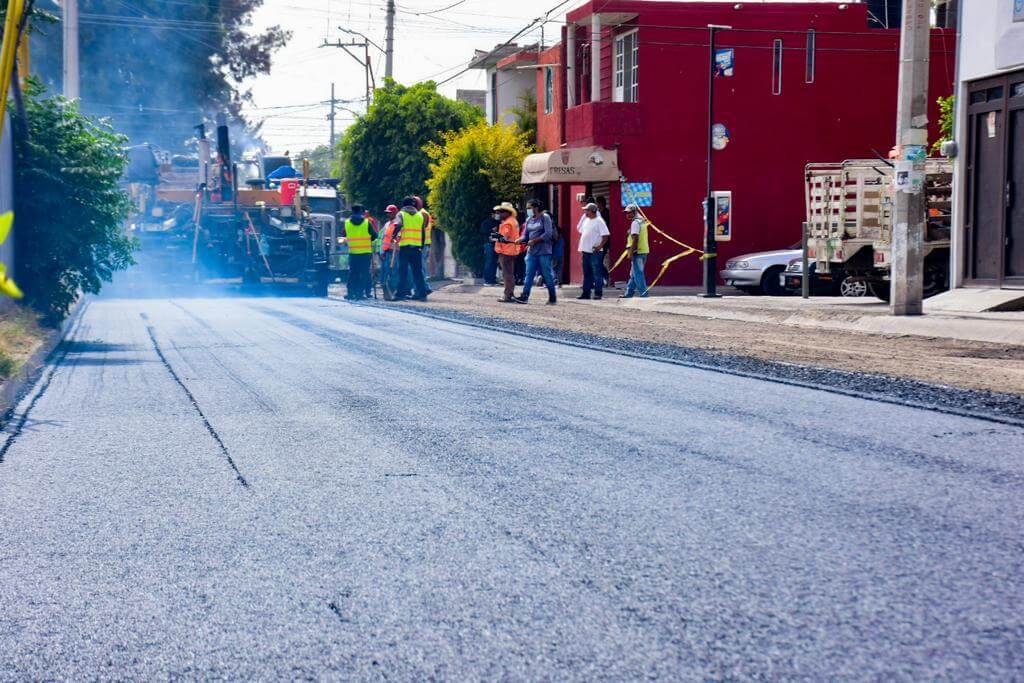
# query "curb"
(15, 387)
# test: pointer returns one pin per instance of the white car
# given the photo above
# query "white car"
(759, 273)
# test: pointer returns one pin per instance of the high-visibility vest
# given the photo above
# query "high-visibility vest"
(643, 245)
(358, 237)
(389, 233)
(428, 226)
(412, 229)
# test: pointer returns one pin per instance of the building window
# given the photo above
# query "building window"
(809, 76)
(777, 67)
(549, 89)
(627, 67)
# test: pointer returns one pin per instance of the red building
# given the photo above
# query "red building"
(624, 95)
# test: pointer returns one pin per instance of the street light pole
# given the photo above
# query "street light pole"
(389, 44)
(710, 239)
(71, 77)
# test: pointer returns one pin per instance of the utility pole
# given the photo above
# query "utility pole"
(710, 210)
(907, 276)
(363, 61)
(389, 43)
(71, 78)
(331, 116)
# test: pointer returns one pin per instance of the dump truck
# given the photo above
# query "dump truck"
(850, 210)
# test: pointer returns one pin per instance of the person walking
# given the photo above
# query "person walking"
(593, 236)
(638, 247)
(538, 236)
(388, 253)
(409, 224)
(359, 235)
(507, 247)
(489, 233)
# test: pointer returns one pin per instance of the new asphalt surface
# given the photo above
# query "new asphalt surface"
(298, 488)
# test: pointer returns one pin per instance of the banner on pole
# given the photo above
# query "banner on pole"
(724, 62)
(723, 216)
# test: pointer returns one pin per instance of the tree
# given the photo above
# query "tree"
(158, 68)
(471, 172)
(525, 112)
(69, 209)
(382, 153)
(321, 165)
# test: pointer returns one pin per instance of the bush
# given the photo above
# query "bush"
(471, 172)
(69, 208)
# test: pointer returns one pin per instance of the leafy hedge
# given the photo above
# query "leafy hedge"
(69, 208)
(471, 172)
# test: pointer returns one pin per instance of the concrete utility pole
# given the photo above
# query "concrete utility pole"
(907, 275)
(71, 79)
(331, 117)
(389, 42)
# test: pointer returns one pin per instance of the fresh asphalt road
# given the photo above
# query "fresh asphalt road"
(295, 488)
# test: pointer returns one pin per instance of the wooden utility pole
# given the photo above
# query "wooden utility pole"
(907, 273)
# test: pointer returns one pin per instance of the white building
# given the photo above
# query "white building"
(511, 75)
(988, 206)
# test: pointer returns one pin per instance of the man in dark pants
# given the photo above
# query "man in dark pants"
(359, 235)
(410, 224)
(489, 233)
(593, 237)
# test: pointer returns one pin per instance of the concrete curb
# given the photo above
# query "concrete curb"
(14, 388)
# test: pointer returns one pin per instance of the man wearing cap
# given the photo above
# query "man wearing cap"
(638, 248)
(359, 235)
(593, 236)
(409, 226)
(507, 247)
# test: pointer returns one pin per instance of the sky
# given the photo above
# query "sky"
(427, 46)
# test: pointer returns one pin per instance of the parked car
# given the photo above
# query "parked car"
(759, 273)
(836, 283)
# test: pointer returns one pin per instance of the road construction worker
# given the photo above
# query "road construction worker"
(428, 233)
(388, 251)
(409, 229)
(638, 247)
(359, 235)
(508, 248)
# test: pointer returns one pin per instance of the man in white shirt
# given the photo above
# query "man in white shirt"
(593, 236)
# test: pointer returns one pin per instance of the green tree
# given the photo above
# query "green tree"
(947, 118)
(525, 112)
(382, 153)
(69, 209)
(472, 171)
(157, 68)
(321, 165)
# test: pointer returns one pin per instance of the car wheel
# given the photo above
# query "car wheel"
(882, 290)
(770, 284)
(853, 287)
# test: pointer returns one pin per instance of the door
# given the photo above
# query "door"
(994, 226)
(1015, 187)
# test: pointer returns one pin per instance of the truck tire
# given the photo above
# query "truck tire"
(882, 290)
(770, 284)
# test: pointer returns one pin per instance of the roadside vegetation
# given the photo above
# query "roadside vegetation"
(383, 156)
(69, 208)
(20, 334)
(472, 171)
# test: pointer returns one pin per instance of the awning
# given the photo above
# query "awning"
(572, 165)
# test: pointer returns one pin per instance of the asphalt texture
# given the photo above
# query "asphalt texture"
(299, 488)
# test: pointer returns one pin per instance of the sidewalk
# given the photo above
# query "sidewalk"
(865, 315)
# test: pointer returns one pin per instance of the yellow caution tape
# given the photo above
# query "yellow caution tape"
(619, 262)
(669, 261)
(7, 285)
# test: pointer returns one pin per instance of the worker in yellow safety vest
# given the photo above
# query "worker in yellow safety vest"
(639, 247)
(410, 225)
(428, 232)
(359, 236)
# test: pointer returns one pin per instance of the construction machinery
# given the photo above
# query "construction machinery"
(210, 219)
(850, 210)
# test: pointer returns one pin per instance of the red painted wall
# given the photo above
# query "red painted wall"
(848, 111)
(549, 126)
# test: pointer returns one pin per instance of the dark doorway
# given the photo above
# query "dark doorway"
(995, 181)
